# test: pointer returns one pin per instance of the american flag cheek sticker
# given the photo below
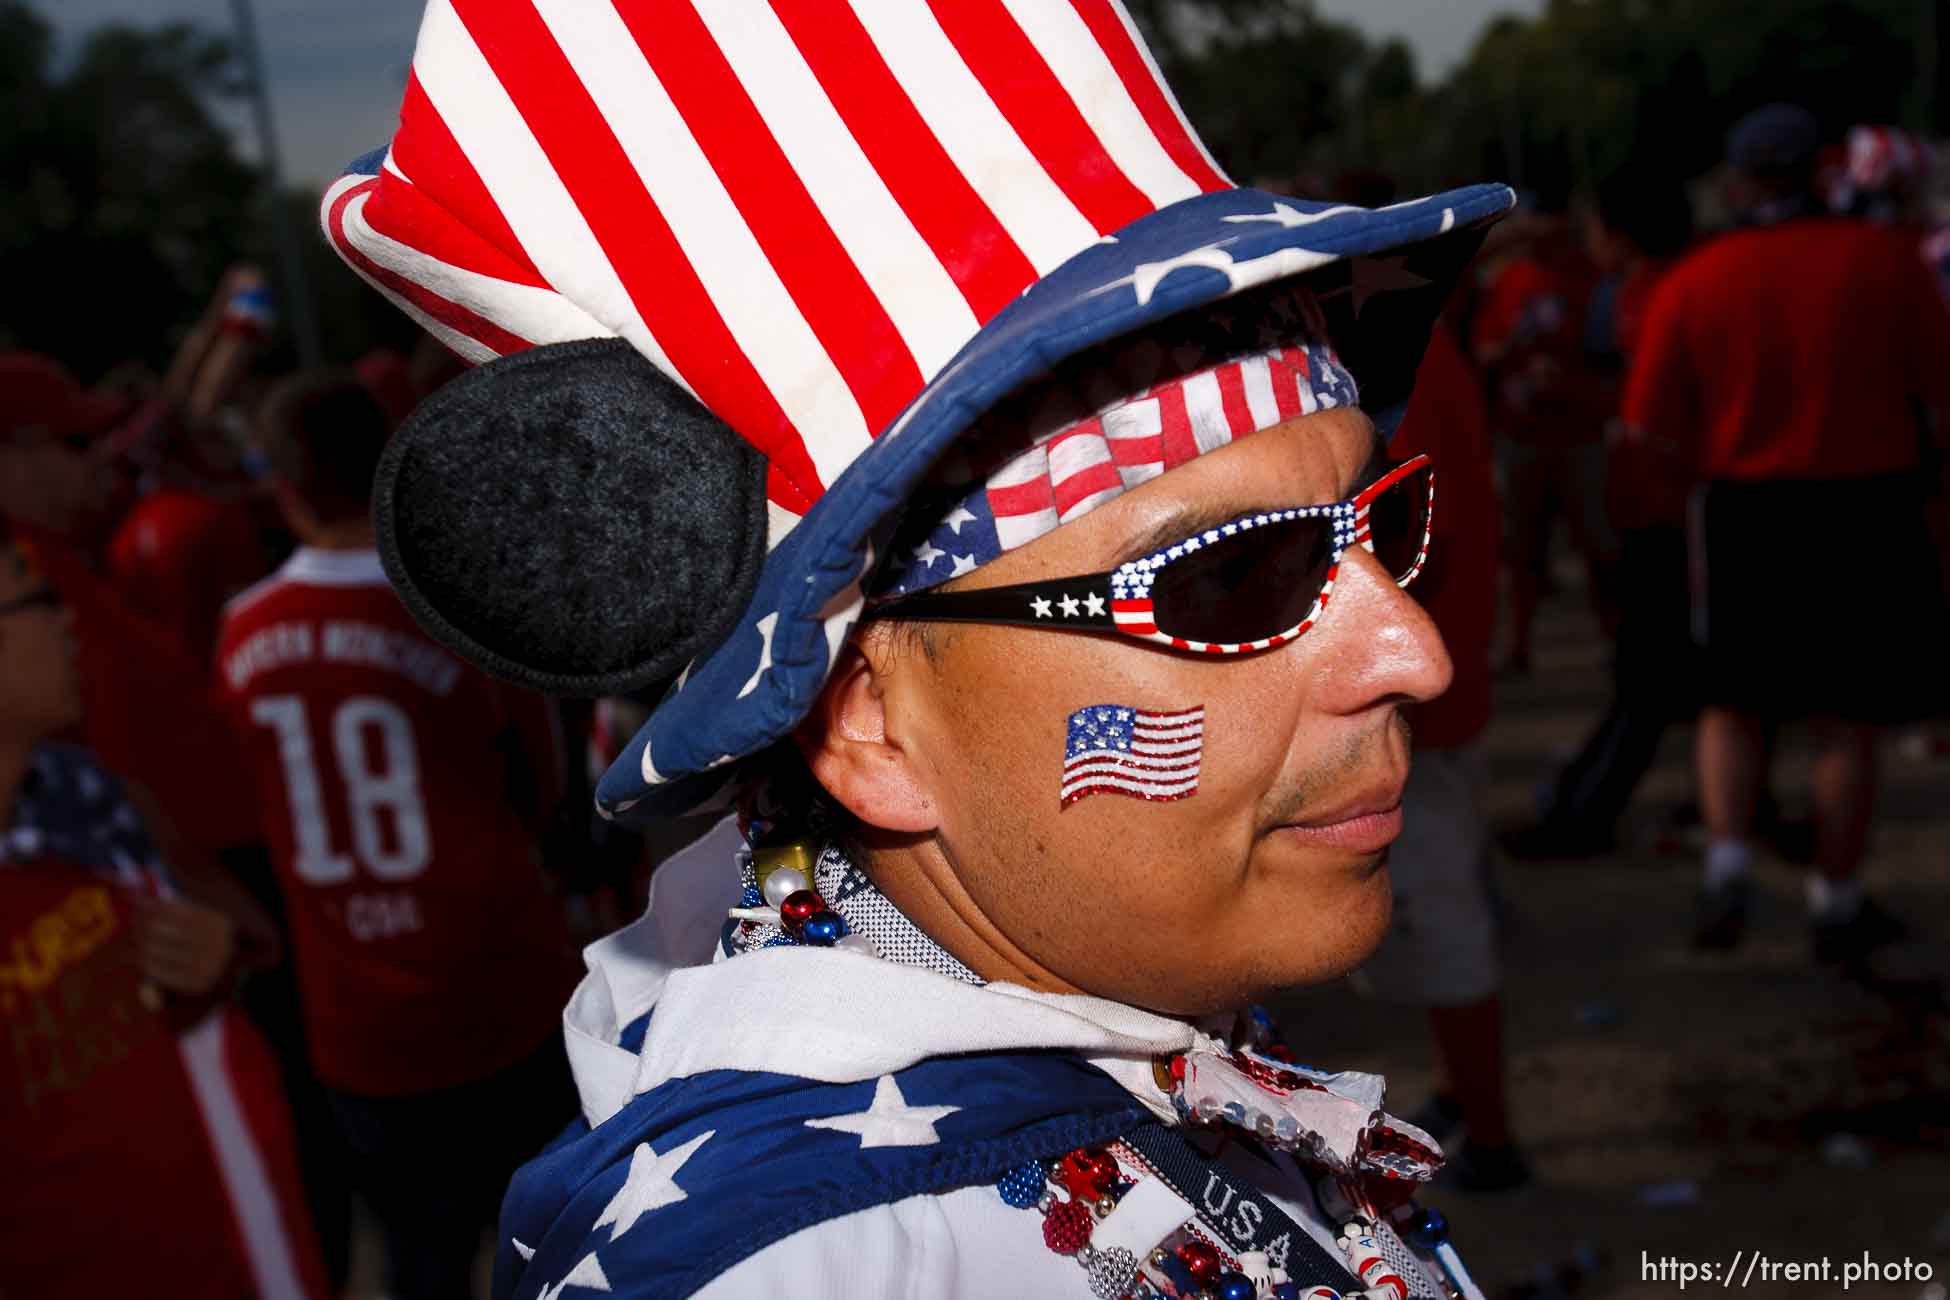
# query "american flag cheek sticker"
(1120, 749)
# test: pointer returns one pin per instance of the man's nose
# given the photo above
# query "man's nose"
(1385, 647)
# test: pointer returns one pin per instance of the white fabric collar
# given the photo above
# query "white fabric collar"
(825, 1014)
(321, 568)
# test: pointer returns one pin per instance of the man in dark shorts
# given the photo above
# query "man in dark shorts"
(1789, 359)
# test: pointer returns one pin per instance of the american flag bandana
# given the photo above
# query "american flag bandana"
(1119, 749)
(1115, 418)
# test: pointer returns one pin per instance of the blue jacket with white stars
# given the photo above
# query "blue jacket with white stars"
(823, 1123)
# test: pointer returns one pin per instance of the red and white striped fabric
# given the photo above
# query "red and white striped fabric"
(1110, 420)
(800, 211)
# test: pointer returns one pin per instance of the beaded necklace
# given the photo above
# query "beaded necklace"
(1119, 1210)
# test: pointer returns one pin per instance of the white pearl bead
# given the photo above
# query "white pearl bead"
(784, 883)
(858, 943)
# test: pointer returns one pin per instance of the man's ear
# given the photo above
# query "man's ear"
(847, 743)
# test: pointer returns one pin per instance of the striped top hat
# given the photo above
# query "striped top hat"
(738, 273)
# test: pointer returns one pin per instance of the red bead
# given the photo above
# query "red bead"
(1201, 1261)
(1066, 1228)
(1087, 1175)
(798, 908)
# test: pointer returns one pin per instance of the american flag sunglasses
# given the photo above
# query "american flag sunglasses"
(1256, 582)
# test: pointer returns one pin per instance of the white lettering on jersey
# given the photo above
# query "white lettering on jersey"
(398, 652)
(268, 648)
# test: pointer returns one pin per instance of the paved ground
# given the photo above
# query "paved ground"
(1790, 1112)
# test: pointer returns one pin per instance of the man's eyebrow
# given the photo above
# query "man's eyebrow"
(1197, 517)
(1192, 518)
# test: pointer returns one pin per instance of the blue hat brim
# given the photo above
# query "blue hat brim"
(764, 677)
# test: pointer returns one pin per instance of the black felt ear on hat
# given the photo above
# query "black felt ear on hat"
(569, 519)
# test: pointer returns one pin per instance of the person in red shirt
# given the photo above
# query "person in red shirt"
(1548, 414)
(1785, 363)
(190, 541)
(148, 711)
(1439, 953)
(1637, 231)
(401, 793)
(145, 1142)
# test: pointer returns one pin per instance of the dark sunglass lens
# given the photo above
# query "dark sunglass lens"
(1398, 521)
(1253, 585)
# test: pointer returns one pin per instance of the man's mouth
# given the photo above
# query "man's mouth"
(1367, 822)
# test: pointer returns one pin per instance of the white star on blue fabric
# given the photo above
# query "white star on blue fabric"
(963, 564)
(1094, 604)
(889, 1121)
(1069, 605)
(1288, 216)
(1040, 605)
(959, 516)
(927, 553)
(587, 1274)
(650, 1185)
(766, 627)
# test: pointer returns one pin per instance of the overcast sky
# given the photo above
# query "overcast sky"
(337, 66)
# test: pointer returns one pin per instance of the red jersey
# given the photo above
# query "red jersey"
(135, 1149)
(429, 952)
(1446, 419)
(179, 556)
(1793, 351)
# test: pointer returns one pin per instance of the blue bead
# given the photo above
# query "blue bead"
(824, 929)
(1286, 1291)
(1235, 1286)
(1023, 1186)
(751, 897)
(1428, 1230)
(1180, 1277)
(780, 941)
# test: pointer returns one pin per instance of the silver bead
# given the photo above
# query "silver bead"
(1103, 1205)
(783, 883)
(1158, 1258)
(858, 943)
(1288, 1128)
(1263, 1124)
(1044, 1201)
(1086, 1254)
(1111, 1272)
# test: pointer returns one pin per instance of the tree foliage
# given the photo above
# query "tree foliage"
(1595, 85)
(125, 198)
(1554, 103)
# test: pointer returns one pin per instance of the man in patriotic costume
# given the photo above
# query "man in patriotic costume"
(876, 381)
